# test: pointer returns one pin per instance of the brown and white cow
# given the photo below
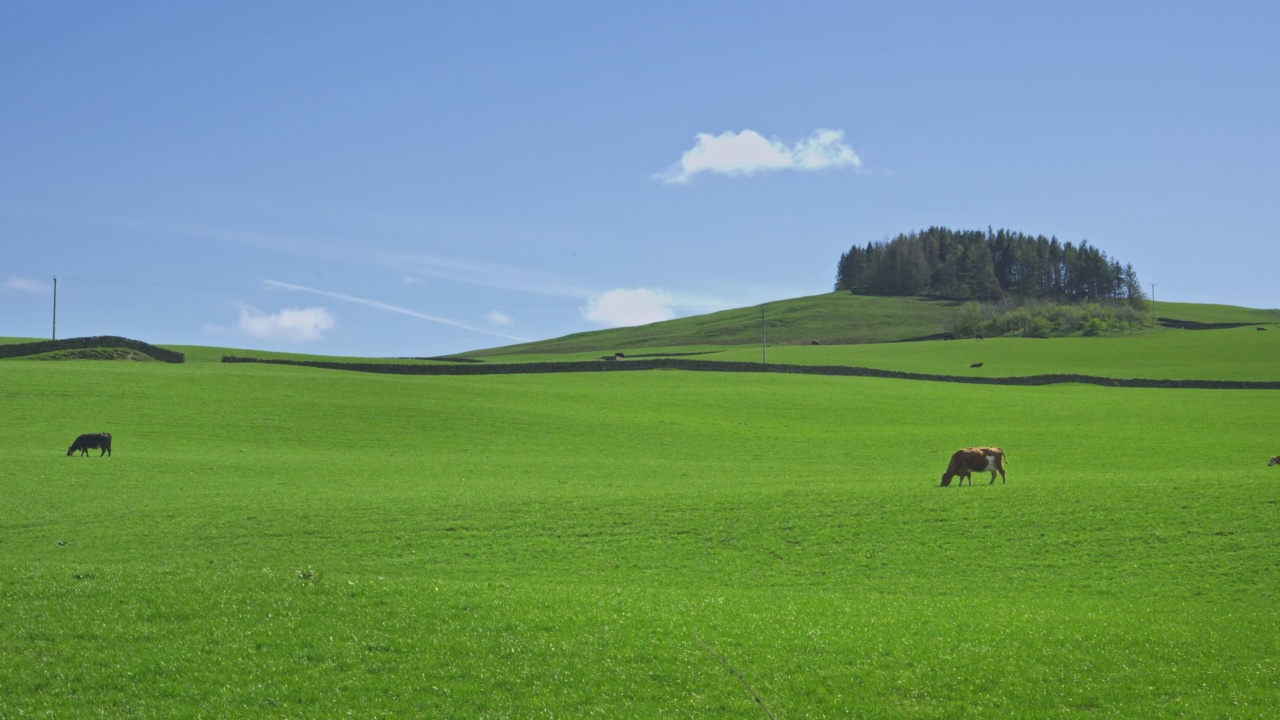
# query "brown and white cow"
(971, 460)
(1274, 461)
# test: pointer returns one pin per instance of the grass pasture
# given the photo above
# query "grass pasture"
(1231, 354)
(287, 542)
(1228, 354)
(836, 317)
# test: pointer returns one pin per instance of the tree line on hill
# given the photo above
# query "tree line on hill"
(988, 266)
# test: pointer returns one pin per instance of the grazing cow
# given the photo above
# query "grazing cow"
(89, 441)
(971, 460)
(976, 365)
(1262, 328)
(978, 336)
(1274, 461)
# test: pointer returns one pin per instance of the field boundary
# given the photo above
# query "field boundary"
(84, 343)
(716, 366)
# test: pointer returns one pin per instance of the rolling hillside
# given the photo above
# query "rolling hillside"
(837, 318)
(833, 318)
(273, 541)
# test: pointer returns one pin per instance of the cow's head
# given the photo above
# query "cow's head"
(1274, 461)
(946, 478)
(71, 451)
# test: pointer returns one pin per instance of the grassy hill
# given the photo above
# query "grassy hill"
(830, 318)
(276, 541)
(1215, 314)
(837, 318)
(1228, 354)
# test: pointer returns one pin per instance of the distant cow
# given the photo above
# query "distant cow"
(971, 460)
(90, 441)
(978, 336)
(1262, 328)
(976, 365)
(1274, 461)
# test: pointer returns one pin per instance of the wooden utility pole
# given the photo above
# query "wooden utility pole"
(764, 339)
(55, 307)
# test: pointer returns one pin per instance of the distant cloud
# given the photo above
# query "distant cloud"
(410, 280)
(748, 152)
(498, 318)
(293, 325)
(624, 308)
(379, 305)
(26, 285)
(502, 277)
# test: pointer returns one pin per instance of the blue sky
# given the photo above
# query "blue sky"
(418, 179)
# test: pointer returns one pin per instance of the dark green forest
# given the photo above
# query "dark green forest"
(987, 266)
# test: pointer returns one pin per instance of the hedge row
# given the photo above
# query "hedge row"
(100, 341)
(714, 366)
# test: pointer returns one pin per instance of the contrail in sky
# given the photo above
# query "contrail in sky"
(389, 308)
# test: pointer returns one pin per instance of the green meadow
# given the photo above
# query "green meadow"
(837, 318)
(272, 541)
(1231, 354)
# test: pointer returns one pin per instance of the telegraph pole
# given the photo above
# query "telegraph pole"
(1153, 302)
(764, 339)
(55, 307)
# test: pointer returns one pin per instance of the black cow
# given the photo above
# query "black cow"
(90, 441)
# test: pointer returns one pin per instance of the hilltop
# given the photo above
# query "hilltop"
(836, 318)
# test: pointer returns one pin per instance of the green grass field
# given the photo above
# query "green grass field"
(287, 542)
(837, 318)
(1233, 354)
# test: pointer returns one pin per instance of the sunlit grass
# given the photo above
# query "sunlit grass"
(1234, 354)
(272, 541)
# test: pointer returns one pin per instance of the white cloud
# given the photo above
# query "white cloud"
(410, 280)
(624, 308)
(749, 152)
(498, 317)
(294, 325)
(26, 285)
